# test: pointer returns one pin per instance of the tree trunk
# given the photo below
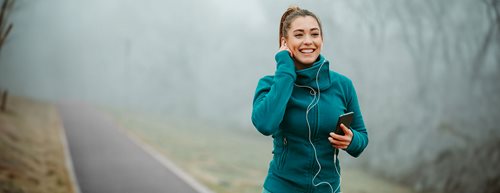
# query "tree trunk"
(4, 101)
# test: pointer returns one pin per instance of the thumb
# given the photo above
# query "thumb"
(345, 129)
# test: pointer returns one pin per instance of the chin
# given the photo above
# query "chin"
(308, 61)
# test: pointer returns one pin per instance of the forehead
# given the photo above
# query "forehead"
(304, 23)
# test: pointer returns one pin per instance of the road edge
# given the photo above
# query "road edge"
(67, 155)
(168, 164)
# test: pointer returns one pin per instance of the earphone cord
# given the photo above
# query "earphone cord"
(311, 105)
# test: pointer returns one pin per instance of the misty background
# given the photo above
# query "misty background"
(427, 73)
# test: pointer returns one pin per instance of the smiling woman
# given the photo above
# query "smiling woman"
(305, 41)
(300, 106)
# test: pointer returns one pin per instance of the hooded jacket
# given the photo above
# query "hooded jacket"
(279, 109)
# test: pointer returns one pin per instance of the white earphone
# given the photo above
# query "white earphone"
(311, 105)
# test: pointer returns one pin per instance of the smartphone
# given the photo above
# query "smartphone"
(345, 119)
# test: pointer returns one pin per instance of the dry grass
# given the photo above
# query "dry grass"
(32, 156)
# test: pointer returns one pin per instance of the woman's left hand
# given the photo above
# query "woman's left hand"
(341, 141)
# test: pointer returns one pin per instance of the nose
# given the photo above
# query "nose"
(308, 40)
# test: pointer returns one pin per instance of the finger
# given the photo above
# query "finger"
(283, 46)
(338, 143)
(338, 137)
(344, 145)
(346, 130)
(341, 143)
(340, 146)
(333, 141)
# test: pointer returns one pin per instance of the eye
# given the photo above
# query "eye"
(315, 34)
(298, 35)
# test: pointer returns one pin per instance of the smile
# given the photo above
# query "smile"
(307, 50)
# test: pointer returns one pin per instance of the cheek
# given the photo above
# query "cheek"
(319, 44)
(293, 46)
(294, 49)
(292, 43)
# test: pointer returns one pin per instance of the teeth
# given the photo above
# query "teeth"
(307, 51)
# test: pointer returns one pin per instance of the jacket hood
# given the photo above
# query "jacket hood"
(320, 68)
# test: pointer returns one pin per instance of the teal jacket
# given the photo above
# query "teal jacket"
(279, 109)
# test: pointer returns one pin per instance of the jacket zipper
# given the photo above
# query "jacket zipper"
(284, 153)
(316, 123)
(316, 118)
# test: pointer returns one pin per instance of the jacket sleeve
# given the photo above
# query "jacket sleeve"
(272, 95)
(360, 135)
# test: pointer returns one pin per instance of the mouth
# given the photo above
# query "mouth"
(306, 50)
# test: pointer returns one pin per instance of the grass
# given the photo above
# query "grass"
(228, 160)
(32, 156)
(224, 160)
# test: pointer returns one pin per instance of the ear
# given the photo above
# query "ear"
(283, 40)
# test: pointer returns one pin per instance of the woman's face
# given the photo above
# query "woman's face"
(304, 40)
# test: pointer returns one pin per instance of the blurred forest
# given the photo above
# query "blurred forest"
(427, 72)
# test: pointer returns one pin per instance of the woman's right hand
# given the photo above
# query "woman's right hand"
(285, 47)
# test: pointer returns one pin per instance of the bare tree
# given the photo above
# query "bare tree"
(4, 27)
(4, 32)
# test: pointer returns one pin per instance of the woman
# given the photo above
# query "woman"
(300, 105)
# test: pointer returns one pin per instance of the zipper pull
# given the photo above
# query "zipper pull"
(284, 141)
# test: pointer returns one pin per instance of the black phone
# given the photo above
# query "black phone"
(345, 119)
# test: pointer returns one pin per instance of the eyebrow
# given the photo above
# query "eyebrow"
(301, 30)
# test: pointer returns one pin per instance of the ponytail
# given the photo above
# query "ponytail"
(282, 32)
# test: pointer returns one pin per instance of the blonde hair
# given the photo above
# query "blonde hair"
(290, 14)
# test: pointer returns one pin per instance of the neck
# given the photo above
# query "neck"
(300, 66)
(318, 71)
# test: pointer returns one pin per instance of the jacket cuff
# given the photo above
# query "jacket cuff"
(285, 64)
(353, 148)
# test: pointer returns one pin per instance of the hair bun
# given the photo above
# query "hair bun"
(293, 8)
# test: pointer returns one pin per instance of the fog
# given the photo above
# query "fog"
(427, 72)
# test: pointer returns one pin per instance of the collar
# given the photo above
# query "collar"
(307, 77)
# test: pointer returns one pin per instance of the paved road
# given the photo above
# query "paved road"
(107, 161)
